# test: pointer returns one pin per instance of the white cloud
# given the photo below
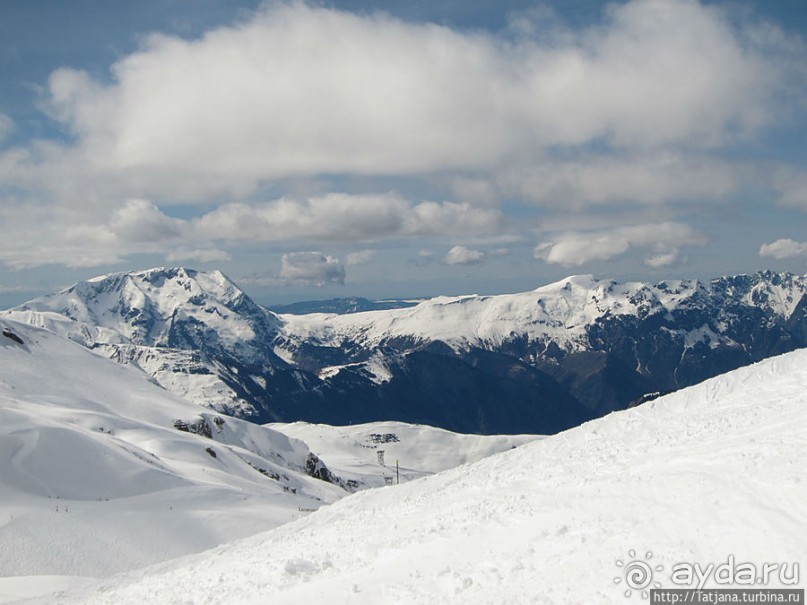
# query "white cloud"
(143, 221)
(345, 217)
(301, 90)
(649, 179)
(663, 260)
(460, 255)
(205, 255)
(638, 106)
(35, 234)
(662, 240)
(578, 249)
(87, 237)
(311, 268)
(475, 190)
(360, 257)
(783, 248)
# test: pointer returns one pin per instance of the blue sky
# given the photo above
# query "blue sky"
(400, 148)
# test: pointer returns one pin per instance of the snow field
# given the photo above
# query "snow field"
(97, 479)
(708, 472)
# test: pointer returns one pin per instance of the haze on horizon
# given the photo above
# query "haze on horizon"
(317, 150)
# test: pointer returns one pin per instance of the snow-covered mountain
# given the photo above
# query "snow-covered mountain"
(534, 362)
(608, 342)
(561, 312)
(710, 474)
(196, 333)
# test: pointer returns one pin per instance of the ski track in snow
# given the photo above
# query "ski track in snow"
(710, 471)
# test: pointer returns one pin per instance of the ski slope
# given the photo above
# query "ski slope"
(97, 479)
(418, 450)
(712, 471)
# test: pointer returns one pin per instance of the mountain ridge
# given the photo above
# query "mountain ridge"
(531, 362)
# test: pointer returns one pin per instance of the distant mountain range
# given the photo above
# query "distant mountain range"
(534, 362)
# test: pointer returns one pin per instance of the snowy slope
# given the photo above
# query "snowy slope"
(96, 478)
(708, 472)
(419, 450)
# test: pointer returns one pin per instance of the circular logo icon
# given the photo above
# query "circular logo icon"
(637, 573)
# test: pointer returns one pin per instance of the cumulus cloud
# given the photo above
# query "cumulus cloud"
(636, 107)
(140, 225)
(345, 217)
(303, 90)
(783, 248)
(311, 268)
(81, 237)
(460, 255)
(661, 240)
(663, 260)
(35, 234)
(143, 221)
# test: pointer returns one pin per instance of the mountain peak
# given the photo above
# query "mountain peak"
(143, 307)
(586, 281)
(214, 282)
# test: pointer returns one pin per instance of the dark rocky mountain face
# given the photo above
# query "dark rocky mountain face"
(737, 322)
(482, 392)
(537, 362)
(647, 339)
